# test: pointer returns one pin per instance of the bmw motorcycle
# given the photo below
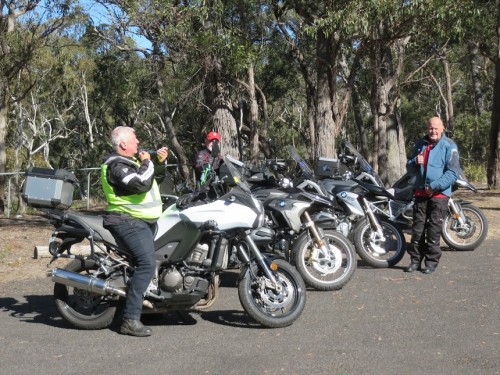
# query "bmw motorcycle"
(191, 251)
(464, 228)
(377, 241)
(325, 259)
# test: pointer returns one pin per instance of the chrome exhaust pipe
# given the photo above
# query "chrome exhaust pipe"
(90, 284)
(83, 282)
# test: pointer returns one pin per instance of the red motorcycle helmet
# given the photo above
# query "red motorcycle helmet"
(212, 136)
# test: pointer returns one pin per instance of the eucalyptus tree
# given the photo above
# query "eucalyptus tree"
(25, 26)
(359, 47)
(352, 39)
(161, 33)
(320, 36)
(200, 57)
(448, 73)
(494, 157)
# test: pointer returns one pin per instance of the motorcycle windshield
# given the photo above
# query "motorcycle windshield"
(304, 167)
(234, 174)
(361, 161)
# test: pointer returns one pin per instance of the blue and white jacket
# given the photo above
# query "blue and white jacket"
(443, 165)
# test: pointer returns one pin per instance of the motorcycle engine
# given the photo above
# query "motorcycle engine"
(403, 209)
(171, 280)
(408, 213)
(343, 227)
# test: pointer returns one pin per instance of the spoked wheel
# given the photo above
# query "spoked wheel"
(325, 270)
(469, 235)
(273, 307)
(376, 252)
(81, 308)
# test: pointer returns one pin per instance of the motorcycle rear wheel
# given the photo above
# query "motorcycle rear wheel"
(271, 308)
(379, 254)
(327, 271)
(471, 235)
(83, 309)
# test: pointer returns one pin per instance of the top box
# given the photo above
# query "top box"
(49, 188)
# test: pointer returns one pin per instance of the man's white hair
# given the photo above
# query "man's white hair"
(120, 134)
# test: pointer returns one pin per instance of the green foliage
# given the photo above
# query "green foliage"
(19, 162)
(471, 132)
(192, 40)
(475, 172)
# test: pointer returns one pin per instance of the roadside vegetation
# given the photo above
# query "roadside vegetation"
(294, 72)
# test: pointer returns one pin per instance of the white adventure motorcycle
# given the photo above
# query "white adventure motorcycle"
(191, 251)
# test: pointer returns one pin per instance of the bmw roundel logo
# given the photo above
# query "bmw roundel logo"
(343, 194)
(282, 204)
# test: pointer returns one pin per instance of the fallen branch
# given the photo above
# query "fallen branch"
(43, 251)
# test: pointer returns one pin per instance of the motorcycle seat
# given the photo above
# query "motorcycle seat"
(94, 224)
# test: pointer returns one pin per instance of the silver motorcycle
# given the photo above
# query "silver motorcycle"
(464, 228)
(377, 241)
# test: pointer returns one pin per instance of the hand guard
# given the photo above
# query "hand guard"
(193, 199)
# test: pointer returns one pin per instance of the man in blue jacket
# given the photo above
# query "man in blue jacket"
(436, 162)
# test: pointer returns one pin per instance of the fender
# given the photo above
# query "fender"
(462, 202)
(268, 258)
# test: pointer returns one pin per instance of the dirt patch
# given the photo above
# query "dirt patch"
(20, 235)
(489, 202)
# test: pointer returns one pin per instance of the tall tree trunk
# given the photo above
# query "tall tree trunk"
(309, 83)
(225, 123)
(311, 123)
(493, 171)
(450, 115)
(3, 136)
(325, 125)
(254, 116)
(166, 116)
(389, 137)
(358, 119)
(475, 61)
(7, 26)
(218, 98)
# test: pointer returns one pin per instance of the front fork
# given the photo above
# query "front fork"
(456, 212)
(377, 233)
(320, 244)
(261, 261)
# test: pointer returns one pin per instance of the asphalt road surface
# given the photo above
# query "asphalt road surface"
(383, 321)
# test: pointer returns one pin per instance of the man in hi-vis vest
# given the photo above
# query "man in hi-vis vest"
(134, 205)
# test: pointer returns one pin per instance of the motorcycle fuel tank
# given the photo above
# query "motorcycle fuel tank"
(228, 214)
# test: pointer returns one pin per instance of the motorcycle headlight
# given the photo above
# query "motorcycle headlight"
(286, 183)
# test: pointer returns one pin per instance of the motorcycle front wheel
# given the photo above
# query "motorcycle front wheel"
(321, 270)
(375, 252)
(468, 236)
(273, 308)
(81, 308)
